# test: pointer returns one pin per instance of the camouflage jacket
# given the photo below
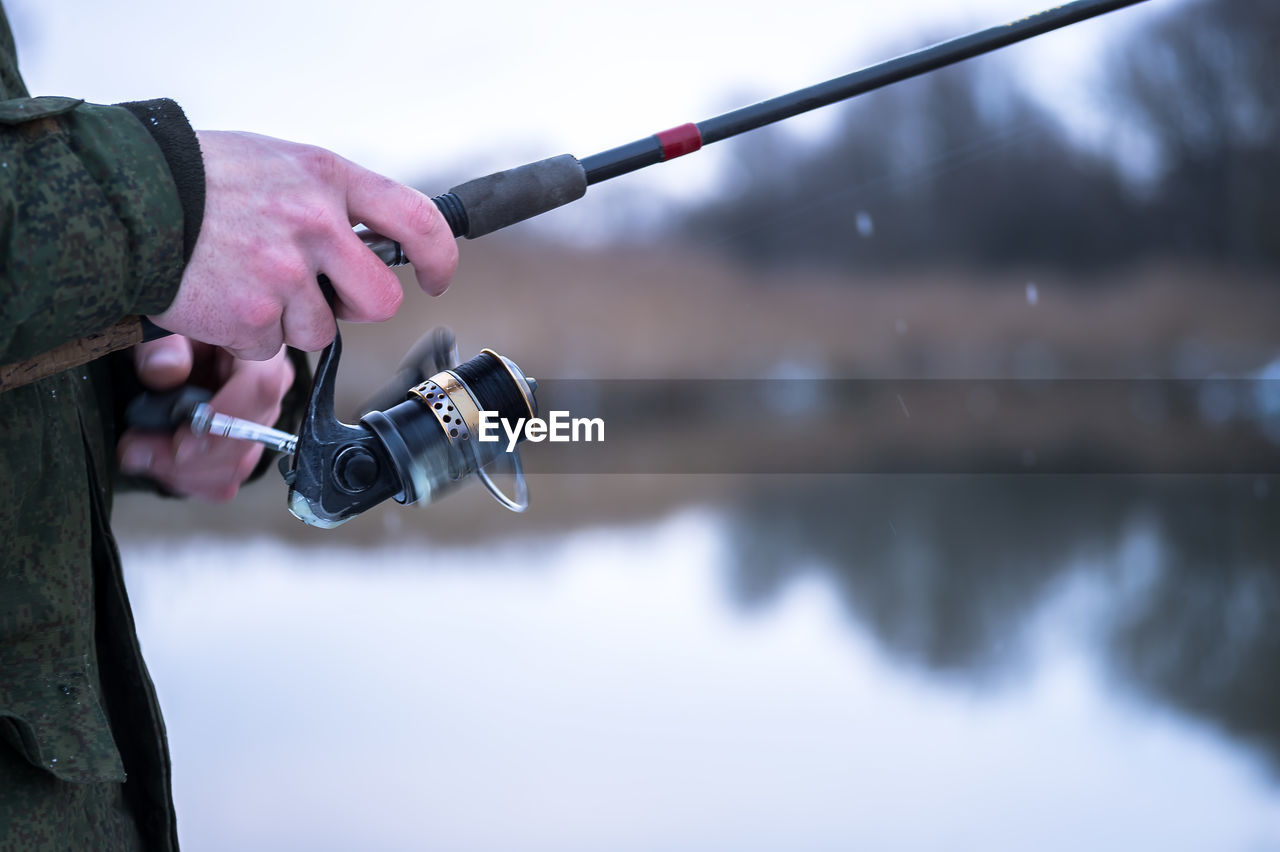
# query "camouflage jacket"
(95, 227)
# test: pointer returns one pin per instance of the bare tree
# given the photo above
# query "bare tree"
(1202, 86)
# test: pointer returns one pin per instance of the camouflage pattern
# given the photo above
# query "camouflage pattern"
(92, 231)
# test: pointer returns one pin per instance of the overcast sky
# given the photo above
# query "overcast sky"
(449, 91)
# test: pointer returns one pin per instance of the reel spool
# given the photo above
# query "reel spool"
(428, 466)
(415, 451)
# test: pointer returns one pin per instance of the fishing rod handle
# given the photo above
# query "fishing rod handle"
(492, 202)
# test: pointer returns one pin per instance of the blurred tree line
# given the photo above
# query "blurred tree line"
(963, 166)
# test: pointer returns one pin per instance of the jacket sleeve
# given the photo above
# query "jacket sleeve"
(94, 225)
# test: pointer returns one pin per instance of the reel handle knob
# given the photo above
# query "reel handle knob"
(153, 411)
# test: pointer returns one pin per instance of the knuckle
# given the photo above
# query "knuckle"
(421, 215)
(285, 268)
(303, 213)
(321, 163)
(256, 314)
(315, 218)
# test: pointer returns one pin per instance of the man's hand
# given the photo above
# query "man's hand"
(204, 466)
(276, 215)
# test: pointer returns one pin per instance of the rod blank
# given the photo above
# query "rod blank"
(487, 204)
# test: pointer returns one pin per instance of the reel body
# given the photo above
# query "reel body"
(415, 451)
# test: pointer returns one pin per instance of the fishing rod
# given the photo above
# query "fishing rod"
(490, 203)
(416, 449)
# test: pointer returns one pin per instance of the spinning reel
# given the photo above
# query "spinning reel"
(413, 446)
(414, 451)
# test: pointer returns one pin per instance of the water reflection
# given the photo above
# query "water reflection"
(945, 572)
(908, 662)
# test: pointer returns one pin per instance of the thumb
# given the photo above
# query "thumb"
(165, 363)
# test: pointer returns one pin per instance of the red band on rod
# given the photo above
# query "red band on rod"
(679, 141)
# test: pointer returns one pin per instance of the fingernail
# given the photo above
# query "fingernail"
(137, 459)
(190, 448)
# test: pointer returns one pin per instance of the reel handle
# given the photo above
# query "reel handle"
(153, 411)
(435, 351)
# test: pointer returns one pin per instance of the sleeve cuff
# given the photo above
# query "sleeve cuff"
(167, 124)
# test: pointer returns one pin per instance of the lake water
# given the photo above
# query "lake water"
(904, 662)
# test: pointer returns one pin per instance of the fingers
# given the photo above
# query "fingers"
(406, 215)
(213, 472)
(165, 363)
(276, 215)
(209, 467)
(308, 322)
(368, 291)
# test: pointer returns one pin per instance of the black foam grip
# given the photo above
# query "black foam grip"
(504, 198)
